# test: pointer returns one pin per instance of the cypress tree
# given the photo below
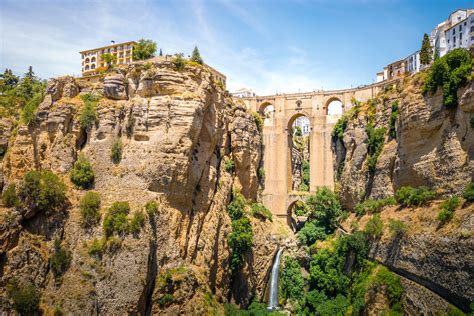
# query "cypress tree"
(426, 54)
(196, 57)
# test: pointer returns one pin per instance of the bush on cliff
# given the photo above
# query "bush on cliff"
(374, 227)
(42, 190)
(9, 197)
(137, 222)
(468, 193)
(450, 72)
(88, 115)
(258, 120)
(144, 49)
(82, 174)
(116, 220)
(408, 196)
(179, 62)
(259, 210)
(229, 165)
(375, 138)
(236, 207)
(151, 208)
(26, 298)
(393, 120)
(371, 206)
(240, 241)
(89, 207)
(447, 209)
(60, 259)
(116, 151)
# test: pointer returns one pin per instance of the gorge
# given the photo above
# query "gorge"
(153, 191)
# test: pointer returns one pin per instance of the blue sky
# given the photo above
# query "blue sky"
(267, 45)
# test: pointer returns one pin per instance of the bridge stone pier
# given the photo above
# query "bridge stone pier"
(280, 111)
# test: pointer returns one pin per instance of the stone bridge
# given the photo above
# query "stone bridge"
(277, 194)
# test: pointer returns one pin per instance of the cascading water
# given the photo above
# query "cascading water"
(273, 301)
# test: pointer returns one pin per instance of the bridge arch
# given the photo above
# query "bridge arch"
(299, 152)
(334, 106)
(291, 216)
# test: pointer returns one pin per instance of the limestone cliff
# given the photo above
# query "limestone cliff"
(176, 128)
(433, 146)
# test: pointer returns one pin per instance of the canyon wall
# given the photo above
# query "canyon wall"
(177, 127)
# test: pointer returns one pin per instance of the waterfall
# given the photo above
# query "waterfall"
(273, 301)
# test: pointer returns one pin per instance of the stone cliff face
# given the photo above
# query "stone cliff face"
(176, 128)
(433, 146)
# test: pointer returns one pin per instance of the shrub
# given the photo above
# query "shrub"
(450, 72)
(88, 115)
(28, 115)
(90, 206)
(468, 193)
(151, 208)
(393, 120)
(292, 282)
(165, 300)
(408, 196)
(324, 207)
(393, 285)
(371, 206)
(397, 227)
(325, 272)
(42, 191)
(375, 138)
(261, 173)
(60, 259)
(374, 227)
(229, 165)
(237, 206)
(340, 127)
(116, 151)
(310, 233)
(258, 120)
(179, 62)
(82, 174)
(240, 241)
(447, 209)
(25, 298)
(196, 56)
(97, 247)
(300, 208)
(259, 210)
(116, 220)
(137, 222)
(9, 197)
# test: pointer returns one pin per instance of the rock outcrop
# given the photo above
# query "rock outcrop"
(176, 127)
(434, 146)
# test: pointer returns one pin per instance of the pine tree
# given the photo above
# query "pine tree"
(30, 74)
(161, 52)
(426, 54)
(196, 57)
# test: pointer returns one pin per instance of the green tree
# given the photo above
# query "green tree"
(196, 56)
(9, 80)
(89, 207)
(374, 227)
(26, 298)
(240, 241)
(109, 59)
(30, 74)
(9, 197)
(179, 62)
(42, 191)
(60, 259)
(292, 281)
(161, 52)
(426, 53)
(144, 49)
(116, 221)
(116, 151)
(325, 209)
(82, 174)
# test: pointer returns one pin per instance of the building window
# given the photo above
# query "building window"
(87, 67)
(460, 37)
(93, 66)
(472, 28)
(454, 31)
(93, 59)
(460, 28)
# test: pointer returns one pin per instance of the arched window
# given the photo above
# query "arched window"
(93, 66)
(93, 59)
(87, 67)
(87, 60)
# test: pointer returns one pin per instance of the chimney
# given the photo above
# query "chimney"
(112, 42)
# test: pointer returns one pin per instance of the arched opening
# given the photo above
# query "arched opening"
(93, 66)
(267, 111)
(334, 107)
(93, 60)
(87, 60)
(299, 130)
(87, 67)
(297, 214)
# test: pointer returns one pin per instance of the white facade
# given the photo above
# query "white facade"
(412, 63)
(243, 93)
(461, 34)
(303, 123)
